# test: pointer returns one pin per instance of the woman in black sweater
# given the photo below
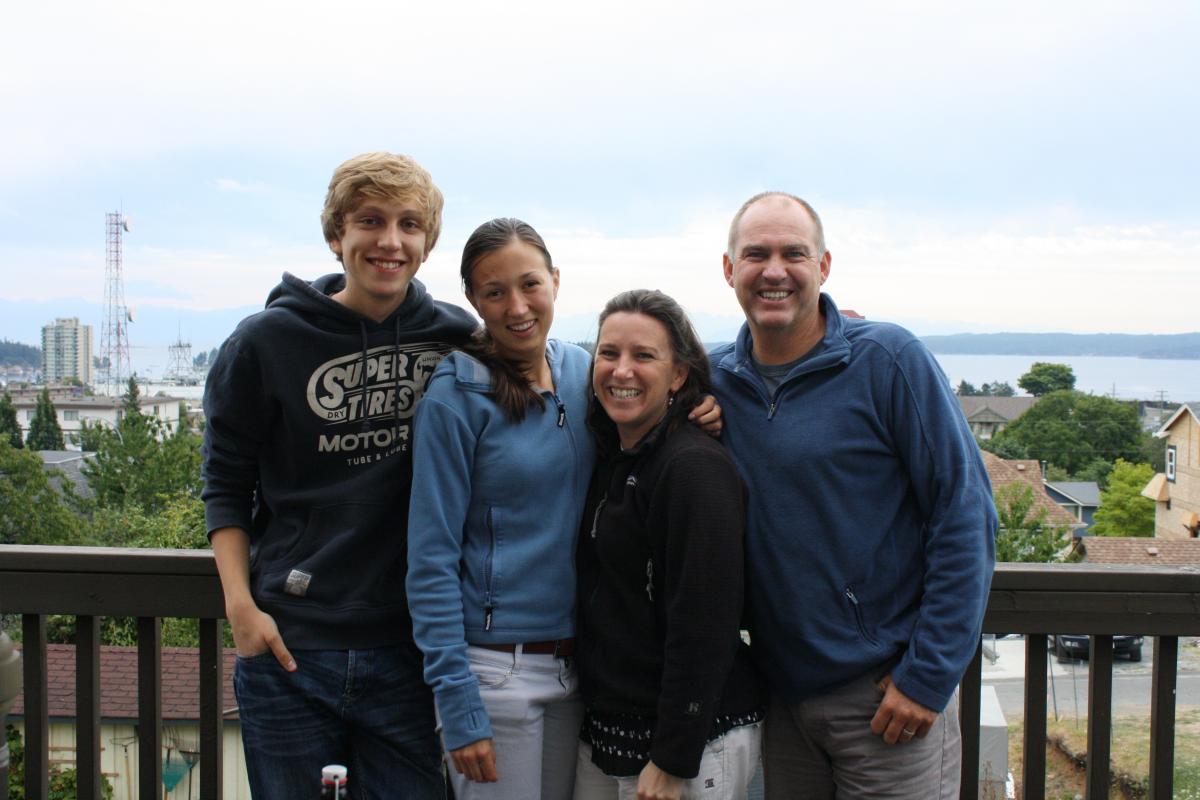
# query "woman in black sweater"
(673, 707)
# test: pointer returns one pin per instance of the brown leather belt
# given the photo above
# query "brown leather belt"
(559, 648)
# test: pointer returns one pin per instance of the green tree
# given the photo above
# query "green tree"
(10, 429)
(1024, 535)
(32, 511)
(997, 389)
(1072, 429)
(138, 463)
(1044, 378)
(1097, 470)
(1008, 449)
(44, 430)
(966, 389)
(1123, 511)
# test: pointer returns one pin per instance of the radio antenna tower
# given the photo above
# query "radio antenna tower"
(114, 338)
(179, 363)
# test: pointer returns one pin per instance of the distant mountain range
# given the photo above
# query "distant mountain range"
(1177, 345)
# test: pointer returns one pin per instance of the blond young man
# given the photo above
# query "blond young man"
(307, 468)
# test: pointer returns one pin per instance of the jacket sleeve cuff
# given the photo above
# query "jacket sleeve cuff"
(914, 689)
(678, 745)
(226, 513)
(462, 716)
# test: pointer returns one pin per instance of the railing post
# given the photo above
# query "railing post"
(1033, 771)
(1099, 737)
(968, 717)
(37, 709)
(149, 708)
(1162, 717)
(87, 707)
(212, 696)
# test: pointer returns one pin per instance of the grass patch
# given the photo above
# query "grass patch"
(1130, 755)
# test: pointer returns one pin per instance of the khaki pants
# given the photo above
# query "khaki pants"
(822, 747)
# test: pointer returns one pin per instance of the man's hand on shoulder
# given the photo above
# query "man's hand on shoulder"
(900, 718)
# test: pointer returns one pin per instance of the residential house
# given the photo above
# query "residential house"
(119, 716)
(1176, 491)
(988, 415)
(73, 408)
(1003, 472)
(1080, 498)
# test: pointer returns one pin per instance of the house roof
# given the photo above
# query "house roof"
(1156, 489)
(119, 683)
(1085, 493)
(94, 402)
(1185, 408)
(1005, 408)
(1141, 550)
(1002, 473)
(71, 463)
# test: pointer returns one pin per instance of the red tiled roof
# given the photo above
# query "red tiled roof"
(1003, 472)
(119, 683)
(1141, 550)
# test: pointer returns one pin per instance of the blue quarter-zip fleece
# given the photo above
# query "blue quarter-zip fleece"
(871, 527)
(492, 523)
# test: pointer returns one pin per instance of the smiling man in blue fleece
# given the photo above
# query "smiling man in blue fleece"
(870, 537)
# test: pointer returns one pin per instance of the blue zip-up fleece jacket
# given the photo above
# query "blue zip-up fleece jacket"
(495, 511)
(309, 406)
(871, 527)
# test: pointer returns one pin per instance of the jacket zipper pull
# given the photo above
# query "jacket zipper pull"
(562, 412)
(850, 596)
(487, 618)
(650, 579)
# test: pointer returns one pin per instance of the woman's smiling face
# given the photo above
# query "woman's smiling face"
(635, 373)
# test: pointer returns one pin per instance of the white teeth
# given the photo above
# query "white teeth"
(524, 326)
(386, 264)
(773, 295)
(624, 394)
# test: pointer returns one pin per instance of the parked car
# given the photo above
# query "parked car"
(1068, 646)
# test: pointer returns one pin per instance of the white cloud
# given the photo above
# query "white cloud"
(886, 266)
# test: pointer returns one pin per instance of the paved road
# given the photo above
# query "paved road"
(1069, 682)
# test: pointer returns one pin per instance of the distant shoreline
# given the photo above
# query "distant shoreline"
(1179, 346)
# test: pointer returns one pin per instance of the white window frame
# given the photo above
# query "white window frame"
(1172, 459)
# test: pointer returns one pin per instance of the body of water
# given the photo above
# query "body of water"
(1126, 378)
(1123, 377)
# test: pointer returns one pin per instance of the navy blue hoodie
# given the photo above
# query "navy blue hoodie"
(315, 462)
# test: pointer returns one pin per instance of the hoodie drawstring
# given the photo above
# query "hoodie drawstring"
(362, 380)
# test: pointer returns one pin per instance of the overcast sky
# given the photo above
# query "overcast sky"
(980, 167)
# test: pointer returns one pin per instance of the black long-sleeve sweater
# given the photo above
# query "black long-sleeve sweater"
(660, 591)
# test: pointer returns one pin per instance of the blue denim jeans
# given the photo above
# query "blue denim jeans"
(367, 709)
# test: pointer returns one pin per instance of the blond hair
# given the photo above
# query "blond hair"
(385, 176)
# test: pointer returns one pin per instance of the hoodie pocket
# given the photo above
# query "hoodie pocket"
(856, 609)
(347, 553)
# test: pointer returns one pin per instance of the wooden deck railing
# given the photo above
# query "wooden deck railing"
(1033, 599)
